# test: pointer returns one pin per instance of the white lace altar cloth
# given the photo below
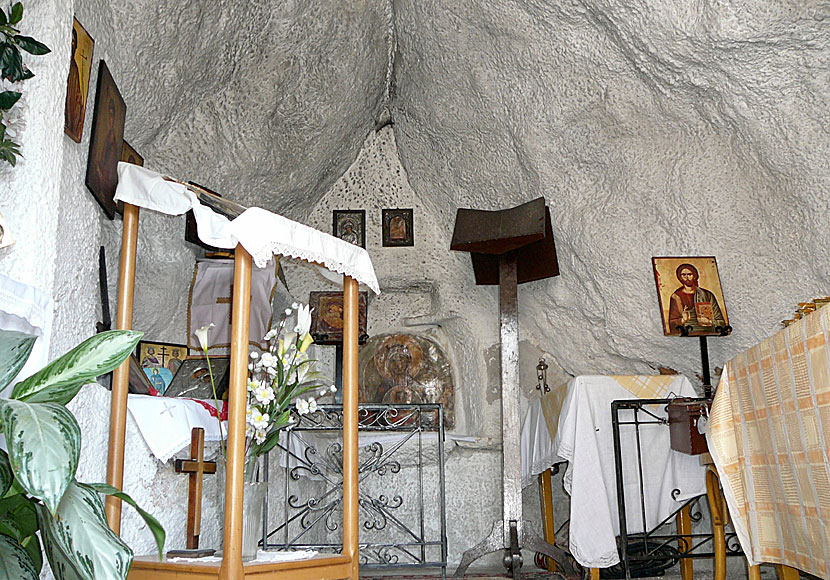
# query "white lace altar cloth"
(260, 232)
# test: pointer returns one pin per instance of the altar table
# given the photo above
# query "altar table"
(579, 415)
(768, 437)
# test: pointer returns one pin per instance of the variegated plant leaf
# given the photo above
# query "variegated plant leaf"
(15, 348)
(6, 475)
(155, 526)
(79, 544)
(15, 563)
(60, 380)
(44, 442)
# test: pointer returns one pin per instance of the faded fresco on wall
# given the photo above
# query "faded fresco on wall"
(406, 368)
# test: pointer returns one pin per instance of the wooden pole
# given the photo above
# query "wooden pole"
(231, 568)
(351, 528)
(121, 375)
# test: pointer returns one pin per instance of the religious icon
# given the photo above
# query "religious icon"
(398, 369)
(327, 317)
(130, 155)
(350, 226)
(192, 380)
(107, 141)
(160, 361)
(690, 296)
(397, 227)
(6, 238)
(77, 84)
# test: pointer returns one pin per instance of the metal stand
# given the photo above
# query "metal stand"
(704, 354)
(511, 533)
(661, 550)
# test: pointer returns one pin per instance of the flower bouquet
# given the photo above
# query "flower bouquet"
(278, 378)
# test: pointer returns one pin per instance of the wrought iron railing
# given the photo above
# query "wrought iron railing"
(401, 485)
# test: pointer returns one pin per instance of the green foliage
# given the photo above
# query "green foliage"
(13, 69)
(60, 380)
(38, 490)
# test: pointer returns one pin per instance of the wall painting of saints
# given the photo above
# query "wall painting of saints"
(690, 296)
(77, 84)
(404, 369)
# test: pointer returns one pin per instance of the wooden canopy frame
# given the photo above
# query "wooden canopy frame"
(321, 567)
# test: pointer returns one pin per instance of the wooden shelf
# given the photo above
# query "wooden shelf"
(319, 567)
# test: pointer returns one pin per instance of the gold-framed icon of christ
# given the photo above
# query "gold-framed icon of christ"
(690, 296)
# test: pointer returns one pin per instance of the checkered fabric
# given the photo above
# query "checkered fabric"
(769, 429)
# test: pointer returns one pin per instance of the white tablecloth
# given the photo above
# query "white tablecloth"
(584, 439)
(166, 422)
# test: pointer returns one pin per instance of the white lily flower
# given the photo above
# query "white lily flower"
(323, 392)
(259, 436)
(303, 320)
(312, 404)
(333, 388)
(202, 335)
(302, 406)
(295, 305)
(270, 334)
(288, 312)
(254, 354)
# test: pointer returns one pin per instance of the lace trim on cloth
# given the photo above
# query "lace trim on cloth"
(260, 232)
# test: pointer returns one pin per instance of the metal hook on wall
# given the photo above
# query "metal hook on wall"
(542, 376)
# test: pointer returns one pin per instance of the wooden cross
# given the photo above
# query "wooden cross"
(195, 466)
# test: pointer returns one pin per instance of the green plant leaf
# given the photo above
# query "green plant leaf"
(16, 13)
(44, 445)
(154, 525)
(11, 62)
(6, 475)
(15, 348)
(31, 45)
(8, 99)
(18, 518)
(60, 380)
(15, 563)
(79, 544)
(32, 546)
(3, 20)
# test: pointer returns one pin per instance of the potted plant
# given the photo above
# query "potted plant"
(38, 489)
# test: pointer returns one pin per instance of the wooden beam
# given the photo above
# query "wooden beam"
(231, 568)
(351, 529)
(121, 375)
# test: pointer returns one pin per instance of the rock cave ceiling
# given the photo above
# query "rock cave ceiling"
(673, 127)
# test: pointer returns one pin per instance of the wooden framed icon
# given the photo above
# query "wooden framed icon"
(106, 142)
(350, 225)
(160, 361)
(397, 227)
(130, 155)
(327, 317)
(690, 296)
(77, 83)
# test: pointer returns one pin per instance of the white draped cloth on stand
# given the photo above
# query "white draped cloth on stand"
(260, 232)
(584, 439)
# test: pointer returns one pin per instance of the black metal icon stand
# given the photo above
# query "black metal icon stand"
(704, 354)
(508, 248)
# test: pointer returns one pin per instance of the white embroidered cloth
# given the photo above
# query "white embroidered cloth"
(166, 422)
(260, 232)
(584, 439)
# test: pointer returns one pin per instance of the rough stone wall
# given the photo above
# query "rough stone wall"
(651, 128)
